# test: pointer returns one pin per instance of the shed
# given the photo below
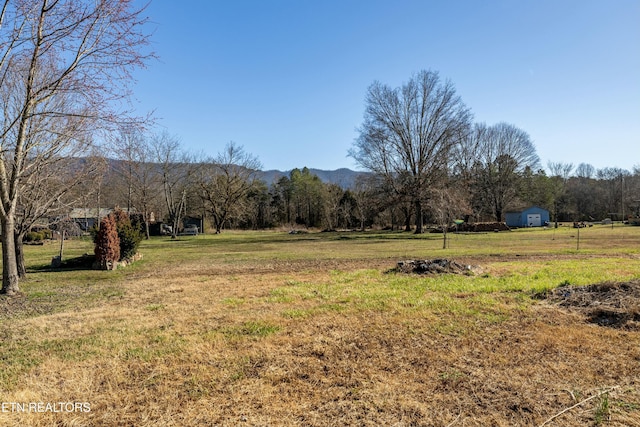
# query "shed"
(533, 216)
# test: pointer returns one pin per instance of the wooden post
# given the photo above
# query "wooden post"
(62, 243)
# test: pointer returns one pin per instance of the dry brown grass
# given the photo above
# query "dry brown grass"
(317, 342)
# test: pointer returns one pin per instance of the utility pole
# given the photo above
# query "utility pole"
(622, 195)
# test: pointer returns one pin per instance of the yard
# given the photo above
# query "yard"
(268, 328)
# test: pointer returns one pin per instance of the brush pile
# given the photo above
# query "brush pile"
(606, 304)
(433, 266)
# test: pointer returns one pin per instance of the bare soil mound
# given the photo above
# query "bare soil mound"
(433, 266)
(610, 304)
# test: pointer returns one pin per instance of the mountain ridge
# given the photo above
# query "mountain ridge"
(344, 177)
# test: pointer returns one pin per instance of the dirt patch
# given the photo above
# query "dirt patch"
(610, 304)
(434, 266)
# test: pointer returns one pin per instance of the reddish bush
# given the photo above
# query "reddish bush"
(107, 242)
(120, 217)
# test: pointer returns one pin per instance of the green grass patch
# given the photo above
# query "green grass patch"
(71, 349)
(17, 358)
(297, 313)
(251, 329)
(233, 302)
(279, 296)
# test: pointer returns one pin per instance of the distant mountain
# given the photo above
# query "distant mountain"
(345, 178)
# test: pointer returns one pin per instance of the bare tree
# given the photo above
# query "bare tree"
(176, 170)
(560, 169)
(585, 170)
(225, 181)
(447, 204)
(364, 195)
(504, 152)
(333, 194)
(466, 165)
(47, 191)
(559, 173)
(409, 134)
(138, 173)
(66, 60)
(124, 147)
(611, 181)
(582, 190)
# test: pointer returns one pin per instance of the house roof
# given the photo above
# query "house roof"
(526, 209)
(82, 213)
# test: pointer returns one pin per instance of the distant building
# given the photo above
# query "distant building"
(533, 216)
(86, 217)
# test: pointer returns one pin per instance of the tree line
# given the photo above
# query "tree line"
(153, 175)
(421, 144)
(427, 163)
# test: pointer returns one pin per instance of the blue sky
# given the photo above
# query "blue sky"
(287, 79)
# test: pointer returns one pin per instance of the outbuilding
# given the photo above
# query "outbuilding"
(533, 216)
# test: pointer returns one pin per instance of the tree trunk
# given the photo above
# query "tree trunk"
(22, 269)
(146, 228)
(407, 218)
(174, 227)
(218, 223)
(418, 217)
(9, 265)
(392, 212)
(145, 221)
(498, 208)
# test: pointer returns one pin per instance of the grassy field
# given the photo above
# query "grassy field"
(267, 328)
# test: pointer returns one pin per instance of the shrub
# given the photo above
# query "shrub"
(130, 236)
(33, 236)
(130, 239)
(127, 236)
(107, 242)
(120, 216)
(93, 231)
(137, 221)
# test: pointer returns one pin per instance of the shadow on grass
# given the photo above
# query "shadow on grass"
(83, 262)
(40, 296)
(381, 236)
